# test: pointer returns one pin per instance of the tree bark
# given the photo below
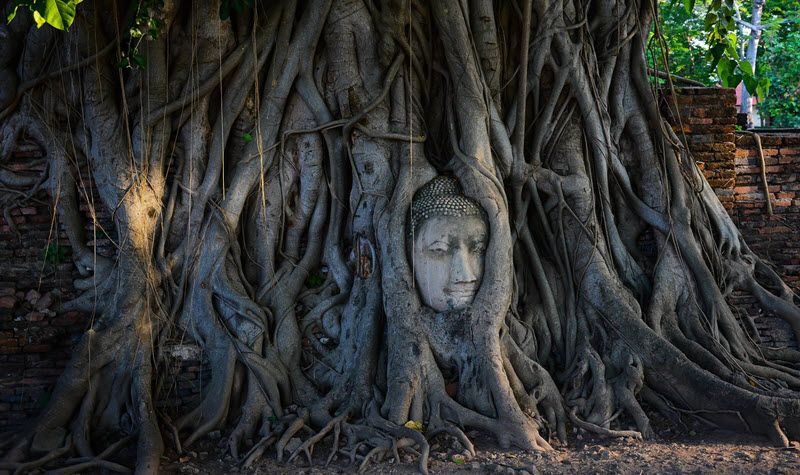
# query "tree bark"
(260, 171)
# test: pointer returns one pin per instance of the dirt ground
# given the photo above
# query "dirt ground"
(672, 452)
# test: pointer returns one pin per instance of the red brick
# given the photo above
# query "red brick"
(7, 302)
(747, 189)
(36, 348)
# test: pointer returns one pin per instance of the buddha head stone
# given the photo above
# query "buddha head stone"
(449, 234)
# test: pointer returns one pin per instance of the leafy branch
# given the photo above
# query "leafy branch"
(57, 13)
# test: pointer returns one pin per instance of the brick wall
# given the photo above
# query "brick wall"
(706, 116)
(35, 341)
(729, 160)
(777, 237)
(36, 275)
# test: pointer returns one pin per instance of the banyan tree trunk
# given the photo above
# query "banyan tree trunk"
(260, 170)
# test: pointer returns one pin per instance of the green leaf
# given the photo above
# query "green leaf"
(715, 54)
(749, 79)
(59, 13)
(39, 19)
(724, 69)
(55, 254)
(247, 137)
(16, 4)
(730, 48)
(750, 83)
(711, 18)
(688, 5)
(746, 68)
(727, 72)
(314, 281)
(734, 80)
(762, 90)
(154, 27)
(224, 10)
(138, 59)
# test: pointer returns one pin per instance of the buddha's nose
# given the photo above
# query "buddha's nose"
(463, 268)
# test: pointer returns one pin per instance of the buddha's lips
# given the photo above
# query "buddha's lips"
(461, 292)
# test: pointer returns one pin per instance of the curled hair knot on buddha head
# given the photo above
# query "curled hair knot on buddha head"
(442, 196)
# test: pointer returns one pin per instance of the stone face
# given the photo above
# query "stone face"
(450, 236)
(448, 260)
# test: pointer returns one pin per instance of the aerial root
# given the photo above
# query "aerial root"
(255, 409)
(296, 426)
(454, 431)
(82, 464)
(383, 443)
(573, 416)
(258, 449)
(380, 451)
(308, 446)
(24, 467)
(628, 401)
(173, 432)
(381, 438)
(776, 434)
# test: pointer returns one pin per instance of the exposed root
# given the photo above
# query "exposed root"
(296, 426)
(602, 430)
(260, 208)
(86, 463)
(308, 445)
(24, 467)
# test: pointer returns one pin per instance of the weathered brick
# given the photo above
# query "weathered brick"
(8, 302)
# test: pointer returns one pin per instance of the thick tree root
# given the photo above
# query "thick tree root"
(260, 175)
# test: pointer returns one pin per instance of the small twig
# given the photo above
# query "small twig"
(674, 77)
